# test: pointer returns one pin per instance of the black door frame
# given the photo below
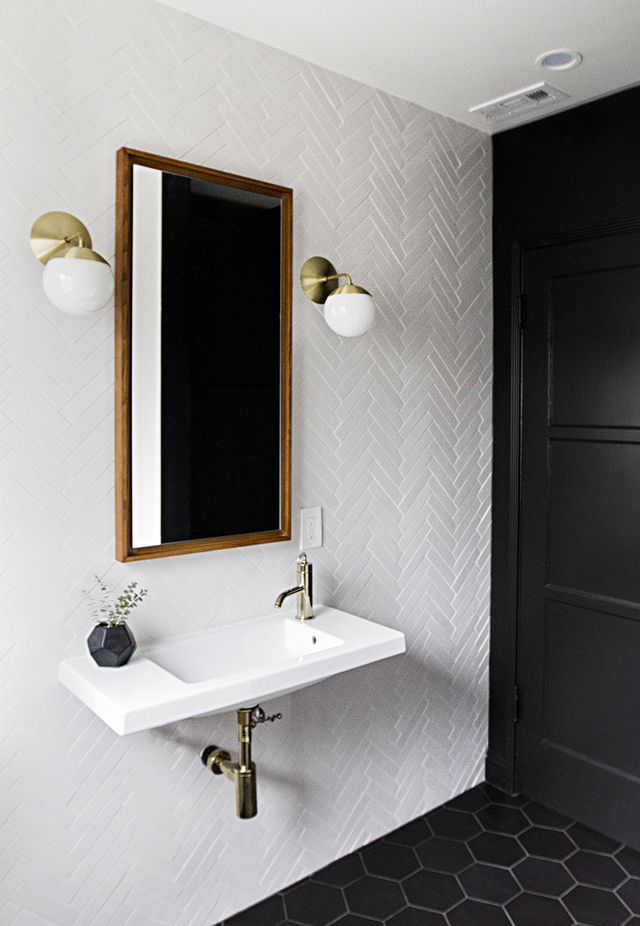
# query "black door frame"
(501, 763)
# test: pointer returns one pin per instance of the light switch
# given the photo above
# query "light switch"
(310, 528)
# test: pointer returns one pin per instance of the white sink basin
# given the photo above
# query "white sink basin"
(249, 647)
(227, 667)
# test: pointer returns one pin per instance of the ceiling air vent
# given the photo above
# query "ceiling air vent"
(514, 104)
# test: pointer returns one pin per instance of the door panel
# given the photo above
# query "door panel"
(591, 668)
(595, 365)
(578, 737)
(593, 516)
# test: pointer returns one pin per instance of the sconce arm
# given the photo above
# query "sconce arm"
(336, 276)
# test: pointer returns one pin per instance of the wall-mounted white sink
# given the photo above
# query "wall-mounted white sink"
(227, 667)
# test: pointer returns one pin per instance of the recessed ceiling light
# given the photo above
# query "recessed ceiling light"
(560, 59)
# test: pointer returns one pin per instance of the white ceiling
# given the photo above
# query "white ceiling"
(448, 55)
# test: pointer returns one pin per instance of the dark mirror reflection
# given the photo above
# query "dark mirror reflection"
(220, 360)
(219, 365)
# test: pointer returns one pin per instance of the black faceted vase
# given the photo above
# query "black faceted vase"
(111, 646)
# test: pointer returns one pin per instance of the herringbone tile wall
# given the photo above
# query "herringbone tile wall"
(392, 438)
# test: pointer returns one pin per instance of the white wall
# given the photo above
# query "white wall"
(392, 438)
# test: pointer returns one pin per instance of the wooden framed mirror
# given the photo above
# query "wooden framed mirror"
(203, 359)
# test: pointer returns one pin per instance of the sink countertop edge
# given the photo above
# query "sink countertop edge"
(153, 696)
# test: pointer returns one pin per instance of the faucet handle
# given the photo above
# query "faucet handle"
(259, 716)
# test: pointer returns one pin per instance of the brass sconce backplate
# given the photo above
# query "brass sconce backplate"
(55, 232)
(313, 279)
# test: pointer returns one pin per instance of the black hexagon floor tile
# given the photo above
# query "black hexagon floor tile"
(351, 919)
(314, 904)
(471, 801)
(630, 894)
(454, 824)
(597, 870)
(496, 849)
(447, 855)
(594, 907)
(547, 843)
(488, 883)
(543, 876)
(376, 897)
(483, 859)
(473, 913)
(630, 861)
(411, 834)
(343, 872)
(269, 912)
(433, 890)
(531, 910)
(412, 916)
(389, 860)
(500, 819)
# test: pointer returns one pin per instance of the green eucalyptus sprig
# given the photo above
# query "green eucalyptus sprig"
(113, 611)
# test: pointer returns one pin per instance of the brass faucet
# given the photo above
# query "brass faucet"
(304, 589)
(243, 772)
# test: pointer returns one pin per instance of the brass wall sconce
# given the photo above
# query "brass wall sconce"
(76, 279)
(348, 309)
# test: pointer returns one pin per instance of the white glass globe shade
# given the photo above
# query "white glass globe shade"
(349, 314)
(77, 286)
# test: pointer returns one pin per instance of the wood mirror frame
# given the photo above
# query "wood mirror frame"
(125, 551)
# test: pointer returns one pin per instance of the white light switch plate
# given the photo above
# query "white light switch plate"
(310, 528)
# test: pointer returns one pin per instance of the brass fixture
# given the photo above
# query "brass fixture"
(319, 280)
(76, 279)
(242, 772)
(59, 234)
(304, 589)
(348, 309)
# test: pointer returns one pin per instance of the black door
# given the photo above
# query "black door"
(578, 736)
